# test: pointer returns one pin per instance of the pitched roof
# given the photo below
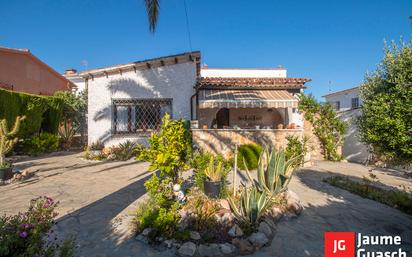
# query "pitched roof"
(341, 91)
(145, 64)
(26, 52)
(261, 83)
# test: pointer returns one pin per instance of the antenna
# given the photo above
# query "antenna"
(84, 63)
(187, 26)
(330, 88)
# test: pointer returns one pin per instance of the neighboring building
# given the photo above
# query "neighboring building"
(348, 102)
(21, 71)
(76, 79)
(345, 100)
(226, 106)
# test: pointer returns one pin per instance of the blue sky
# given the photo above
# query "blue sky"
(336, 41)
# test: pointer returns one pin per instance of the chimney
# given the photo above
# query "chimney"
(70, 72)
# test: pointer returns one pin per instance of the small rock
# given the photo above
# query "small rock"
(160, 239)
(194, 235)
(271, 224)
(146, 231)
(227, 218)
(294, 204)
(187, 249)
(209, 250)
(227, 248)
(142, 238)
(265, 229)
(243, 245)
(275, 213)
(168, 243)
(17, 176)
(25, 173)
(183, 213)
(258, 239)
(224, 204)
(235, 231)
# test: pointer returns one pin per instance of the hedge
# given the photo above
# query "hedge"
(43, 113)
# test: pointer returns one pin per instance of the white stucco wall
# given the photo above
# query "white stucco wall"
(243, 73)
(345, 98)
(353, 150)
(171, 81)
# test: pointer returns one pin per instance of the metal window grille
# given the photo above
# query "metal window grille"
(355, 102)
(139, 115)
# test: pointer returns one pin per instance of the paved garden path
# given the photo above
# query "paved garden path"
(97, 198)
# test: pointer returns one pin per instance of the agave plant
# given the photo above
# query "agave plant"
(214, 173)
(274, 172)
(253, 204)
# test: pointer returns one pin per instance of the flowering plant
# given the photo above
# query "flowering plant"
(30, 233)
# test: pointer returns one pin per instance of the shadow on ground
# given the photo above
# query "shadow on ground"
(96, 226)
(328, 208)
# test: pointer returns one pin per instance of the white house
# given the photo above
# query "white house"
(348, 105)
(128, 101)
(227, 106)
(344, 100)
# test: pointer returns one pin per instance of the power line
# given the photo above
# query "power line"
(187, 26)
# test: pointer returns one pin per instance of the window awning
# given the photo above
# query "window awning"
(246, 99)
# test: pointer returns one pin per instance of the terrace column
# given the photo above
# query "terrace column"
(288, 115)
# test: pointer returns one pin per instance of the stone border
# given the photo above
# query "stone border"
(239, 245)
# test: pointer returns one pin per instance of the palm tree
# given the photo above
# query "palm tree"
(152, 9)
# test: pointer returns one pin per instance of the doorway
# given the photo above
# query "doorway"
(222, 118)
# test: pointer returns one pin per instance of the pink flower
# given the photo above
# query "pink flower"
(48, 203)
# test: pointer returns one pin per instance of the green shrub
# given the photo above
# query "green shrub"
(169, 148)
(160, 190)
(327, 126)
(163, 221)
(199, 163)
(25, 234)
(386, 120)
(43, 143)
(250, 154)
(42, 112)
(125, 151)
(297, 148)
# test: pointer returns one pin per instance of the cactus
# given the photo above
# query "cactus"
(253, 204)
(214, 173)
(8, 138)
(274, 172)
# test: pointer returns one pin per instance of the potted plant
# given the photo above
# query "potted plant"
(7, 140)
(213, 181)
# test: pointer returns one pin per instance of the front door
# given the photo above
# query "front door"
(222, 118)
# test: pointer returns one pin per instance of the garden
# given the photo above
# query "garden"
(36, 125)
(198, 203)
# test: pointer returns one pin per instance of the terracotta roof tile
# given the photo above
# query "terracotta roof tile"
(218, 82)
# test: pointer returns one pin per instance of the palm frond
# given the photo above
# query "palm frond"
(152, 9)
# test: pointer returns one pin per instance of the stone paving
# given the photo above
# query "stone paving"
(97, 198)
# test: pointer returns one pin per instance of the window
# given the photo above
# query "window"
(355, 102)
(337, 105)
(139, 115)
